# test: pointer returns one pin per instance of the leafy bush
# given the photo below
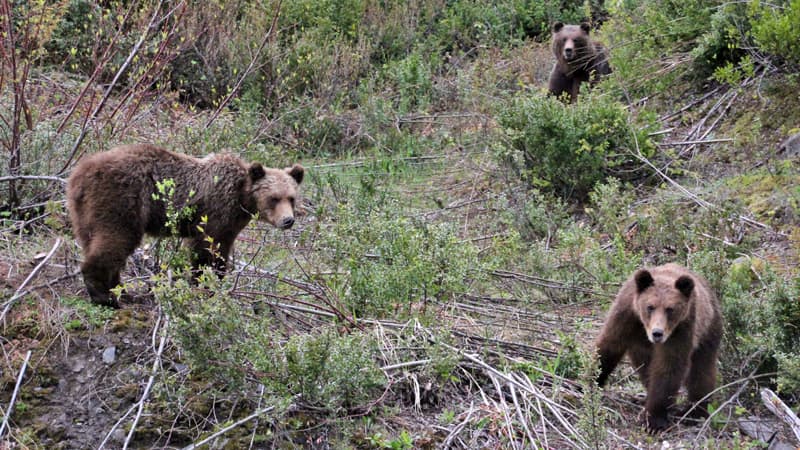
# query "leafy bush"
(468, 24)
(412, 78)
(761, 309)
(222, 338)
(649, 41)
(396, 265)
(333, 18)
(385, 263)
(656, 44)
(569, 149)
(774, 27)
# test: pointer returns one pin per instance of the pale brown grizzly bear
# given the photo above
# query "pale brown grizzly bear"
(668, 322)
(578, 59)
(111, 203)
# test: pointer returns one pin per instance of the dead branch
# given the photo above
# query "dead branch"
(219, 433)
(779, 408)
(156, 365)
(20, 292)
(10, 408)
(33, 177)
(707, 141)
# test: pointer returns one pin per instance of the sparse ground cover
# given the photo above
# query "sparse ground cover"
(461, 234)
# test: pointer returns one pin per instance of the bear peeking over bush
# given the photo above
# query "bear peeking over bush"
(578, 59)
(112, 203)
(668, 322)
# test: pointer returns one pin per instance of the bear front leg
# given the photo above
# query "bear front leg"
(668, 367)
(610, 355)
(619, 331)
(701, 381)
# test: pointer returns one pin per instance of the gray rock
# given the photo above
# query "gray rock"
(791, 146)
(110, 355)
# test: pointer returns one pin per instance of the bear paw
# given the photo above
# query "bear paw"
(655, 424)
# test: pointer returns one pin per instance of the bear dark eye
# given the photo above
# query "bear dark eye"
(273, 201)
(650, 308)
(291, 200)
(669, 311)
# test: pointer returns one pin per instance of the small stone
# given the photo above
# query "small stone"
(78, 366)
(110, 355)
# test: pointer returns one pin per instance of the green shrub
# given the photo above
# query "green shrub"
(774, 27)
(412, 79)
(387, 264)
(657, 44)
(468, 24)
(569, 149)
(396, 265)
(221, 337)
(761, 312)
(332, 18)
(331, 371)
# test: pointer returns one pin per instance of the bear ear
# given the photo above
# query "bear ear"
(586, 27)
(685, 284)
(643, 280)
(557, 27)
(296, 172)
(256, 171)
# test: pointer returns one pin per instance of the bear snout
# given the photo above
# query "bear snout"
(657, 335)
(286, 223)
(569, 52)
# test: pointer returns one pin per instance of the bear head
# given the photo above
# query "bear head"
(274, 192)
(662, 303)
(571, 45)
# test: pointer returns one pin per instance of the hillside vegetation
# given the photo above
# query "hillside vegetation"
(461, 234)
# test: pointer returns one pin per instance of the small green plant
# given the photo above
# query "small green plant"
(402, 442)
(447, 416)
(593, 417)
(396, 265)
(177, 215)
(610, 206)
(80, 314)
(180, 215)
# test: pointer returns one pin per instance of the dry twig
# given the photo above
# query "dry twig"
(10, 408)
(20, 292)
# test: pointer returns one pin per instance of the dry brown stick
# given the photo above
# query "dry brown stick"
(20, 292)
(16, 391)
(779, 408)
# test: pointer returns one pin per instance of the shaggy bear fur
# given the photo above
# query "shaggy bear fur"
(578, 59)
(668, 322)
(110, 198)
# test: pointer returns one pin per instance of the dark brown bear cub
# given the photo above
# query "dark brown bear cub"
(667, 320)
(578, 59)
(112, 204)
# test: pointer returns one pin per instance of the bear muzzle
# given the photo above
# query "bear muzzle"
(286, 223)
(569, 53)
(657, 336)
